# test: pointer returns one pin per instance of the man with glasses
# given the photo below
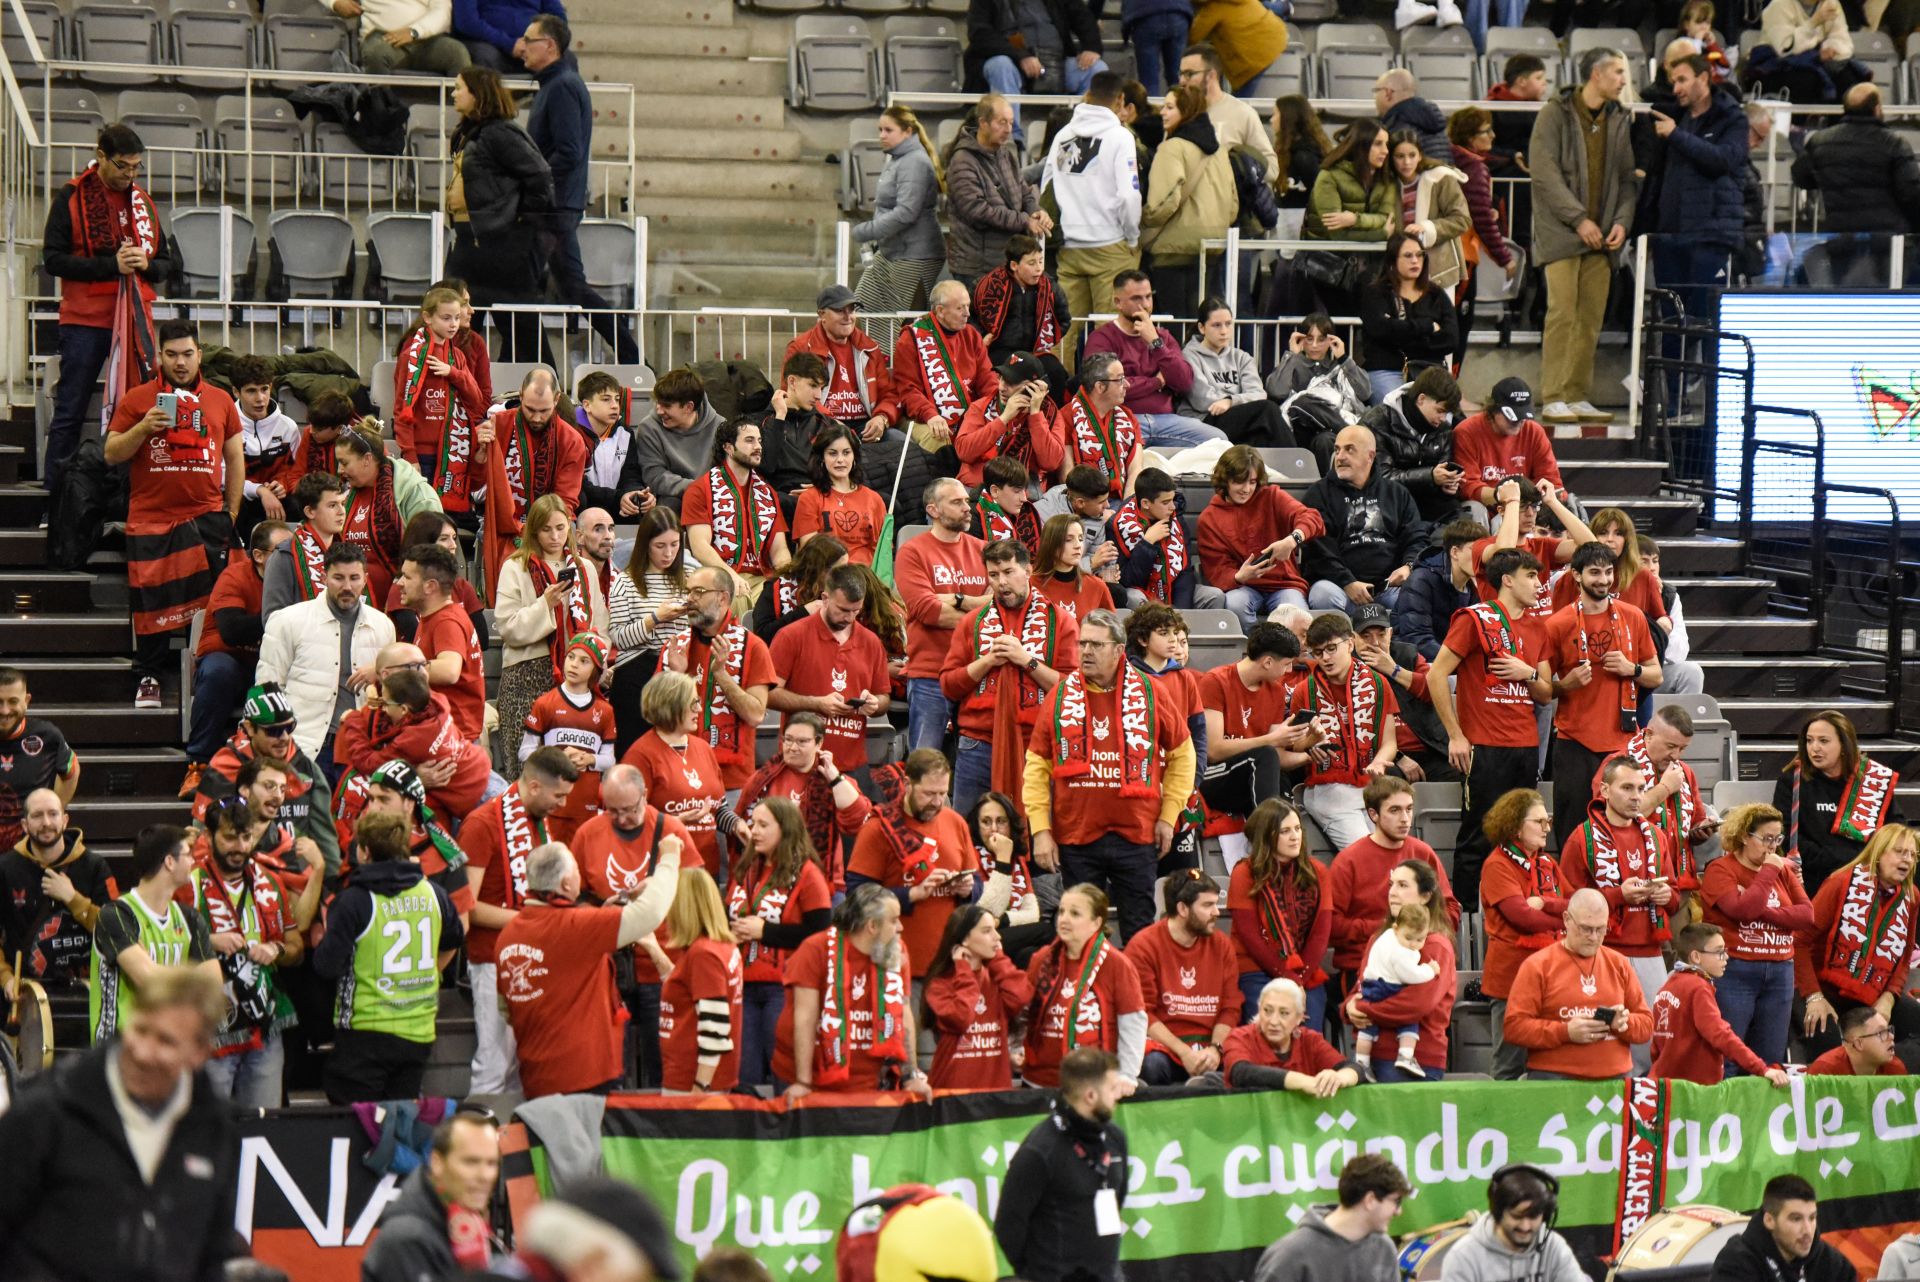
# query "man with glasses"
(267, 723)
(1157, 369)
(1353, 708)
(1691, 1038)
(102, 230)
(1576, 1005)
(805, 773)
(1100, 432)
(1235, 122)
(1865, 1049)
(732, 666)
(526, 457)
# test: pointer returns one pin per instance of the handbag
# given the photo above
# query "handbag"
(1328, 270)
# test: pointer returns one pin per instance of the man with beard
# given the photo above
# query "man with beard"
(857, 965)
(297, 570)
(143, 932)
(53, 888)
(445, 635)
(733, 668)
(526, 457)
(498, 839)
(447, 1201)
(1513, 1239)
(388, 980)
(185, 463)
(805, 773)
(1374, 531)
(834, 665)
(1782, 1240)
(942, 579)
(257, 927)
(921, 851)
(1068, 1179)
(322, 652)
(33, 755)
(395, 789)
(229, 649)
(266, 730)
(1190, 979)
(732, 516)
(593, 541)
(404, 719)
(1020, 639)
(554, 977)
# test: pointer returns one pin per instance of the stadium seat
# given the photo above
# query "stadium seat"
(309, 255)
(1445, 73)
(1504, 42)
(606, 251)
(273, 153)
(1729, 793)
(44, 19)
(296, 42)
(923, 55)
(70, 120)
(212, 33)
(1289, 73)
(1470, 1034)
(860, 166)
(346, 175)
(120, 33)
(877, 6)
(1213, 638)
(1352, 35)
(1876, 49)
(1581, 39)
(1436, 817)
(196, 237)
(1119, 55)
(1701, 707)
(832, 64)
(1296, 466)
(1350, 73)
(169, 123)
(427, 134)
(784, 6)
(380, 392)
(906, 534)
(400, 261)
(1450, 39)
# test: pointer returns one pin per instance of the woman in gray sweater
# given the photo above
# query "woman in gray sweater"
(1226, 391)
(909, 250)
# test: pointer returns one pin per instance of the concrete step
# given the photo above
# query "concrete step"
(115, 725)
(22, 506)
(1713, 636)
(66, 633)
(1782, 718)
(655, 111)
(1701, 554)
(799, 228)
(599, 42)
(703, 74)
(38, 591)
(86, 679)
(1598, 481)
(792, 284)
(1721, 595)
(656, 13)
(131, 772)
(721, 144)
(1766, 758)
(1662, 516)
(1589, 447)
(1804, 678)
(14, 464)
(121, 819)
(811, 183)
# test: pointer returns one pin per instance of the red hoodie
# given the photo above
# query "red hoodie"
(1230, 534)
(1691, 1040)
(368, 738)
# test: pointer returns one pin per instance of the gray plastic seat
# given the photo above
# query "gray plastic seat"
(606, 252)
(427, 136)
(1581, 39)
(346, 175)
(1350, 73)
(833, 64)
(400, 262)
(46, 22)
(1876, 49)
(1446, 73)
(175, 145)
(1352, 35)
(196, 237)
(924, 55)
(276, 151)
(296, 43)
(1284, 75)
(309, 254)
(1425, 37)
(119, 33)
(213, 33)
(860, 166)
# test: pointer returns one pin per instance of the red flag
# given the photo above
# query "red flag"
(133, 358)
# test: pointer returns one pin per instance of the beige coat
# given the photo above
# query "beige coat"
(1190, 197)
(1790, 27)
(1441, 220)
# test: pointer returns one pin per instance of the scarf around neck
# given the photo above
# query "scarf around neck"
(1139, 735)
(1130, 527)
(839, 995)
(1869, 939)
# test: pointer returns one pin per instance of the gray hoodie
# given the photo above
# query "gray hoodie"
(1483, 1256)
(1902, 1259)
(1315, 1253)
(1231, 374)
(669, 461)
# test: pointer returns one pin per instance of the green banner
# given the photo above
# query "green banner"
(1217, 1177)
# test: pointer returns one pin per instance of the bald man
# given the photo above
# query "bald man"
(1866, 174)
(1396, 96)
(1374, 530)
(526, 457)
(941, 366)
(1576, 1005)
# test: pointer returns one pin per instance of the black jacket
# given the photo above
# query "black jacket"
(1426, 606)
(73, 1207)
(1866, 174)
(1303, 170)
(1370, 532)
(1751, 259)
(506, 179)
(1045, 1222)
(1408, 451)
(31, 924)
(1753, 1257)
(1424, 119)
(57, 256)
(1822, 850)
(412, 1241)
(1398, 331)
(992, 26)
(1700, 182)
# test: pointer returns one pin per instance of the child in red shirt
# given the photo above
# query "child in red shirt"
(574, 718)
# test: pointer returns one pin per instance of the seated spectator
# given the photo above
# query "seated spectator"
(1084, 497)
(574, 718)
(399, 36)
(1275, 1051)
(56, 888)
(1015, 425)
(1374, 531)
(1014, 52)
(1441, 584)
(1865, 1049)
(1018, 309)
(677, 766)
(1867, 176)
(1555, 1009)
(1002, 510)
(989, 201)
(733, 519)
(1806, 52)
(1408, 319)
(330, 414)
(612, 480)
(267, 726)
(675, 443)
(820, 1047)
(701, 992)
(1156, 372)
(777, 898)
(1226, 391)
(1361, 878)
(384, 1032)
(734, 670)
(1190, 197)
(1250, 538)
(791, 425)
(1782, 1237)
(405, 720)
(1188, 979)
(1397, 101)
(1082, 963)
(973, 991)
(1319, 386)
(269, 438)
(838, 501)
(1158, 561)
(834, 666)
(1075, 592)
(1504, 439)
(941, 367)
(1098, 429)
(1412, 426)
(1351, 707)
(1691, 1039)
(1247, 722)
(1832, 973)
(229, 647)
(1419, 737)
(1350, 1238)
(554, 977)
(438, 401)
(1523, 904)
(1470, 131)
(797, 588)
(1282, 914)
(303, 646)
(909, 250)
(1755, 897)
(829, 799)
(492, 30)
(1414, 1016)
(1300, 144)
(919, 849)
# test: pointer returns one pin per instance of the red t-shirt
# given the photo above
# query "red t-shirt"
(169, 484)
(1835, 1063)
(696, 508)
(1494, 712)
(1348, 764)
(1116, 992)
(1089, 806)
(1076, 596)
(971, 1011)
(1756, 909)
(1244, 713)
(451, 628)
(1643, 592)
(1544, 548)
(929, 573)
(556, 976)
(1358, 884)
(679, 779)
(1308, 1053)
(708, 971)
(1188, 989)
(855, 519)
(1590, 716)
(1630, 929)
(557, 721)
(812, 661)
(809, 893)
(1515, 931)
(947, 846)
(808, 969)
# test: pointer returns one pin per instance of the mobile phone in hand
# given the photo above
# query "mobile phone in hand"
(1301, 718)
(567, 573)
(1605, 1014)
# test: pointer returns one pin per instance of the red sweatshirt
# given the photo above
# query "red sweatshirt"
(1836, 1064)
(1309, 1053)
(1430, 1005)
(981, 432)
(1691, 1039)
(1630, 928)
(1189, 989)
(1487, 456)
(972, 369)
(929, 574)
(1515, 930)
(1230, 534)
(1358, 884)
(1757, 909)
(367, 739)
(1308, 914)
(1553, 986)
(971, 1018)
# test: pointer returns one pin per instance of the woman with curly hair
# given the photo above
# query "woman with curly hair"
(385, 494)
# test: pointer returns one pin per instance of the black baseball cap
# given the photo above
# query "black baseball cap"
(1512, 400)
(1022, 368)
(1369, 614)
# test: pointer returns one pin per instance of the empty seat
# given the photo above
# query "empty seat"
(1450, 38)
(427, 135)
(380, 392)
(117, 33)
(268, 148)
(43, 20)
(833, 64)
(1213, 638)
(1296, 466)
(1349, 73)
(175, 145)
(158, 104)
(213, 34)
(923, 55)
(196, 238)
(69, 121)
(606, 253)
(308, 44)
(1284, 75)
(1445, 73)
(860, 166)
(400, 261)
(953, 8)
(1876, 49)
(785, 6)
(878, 6)
(309, 255)
(346, 174)
(1352, 35)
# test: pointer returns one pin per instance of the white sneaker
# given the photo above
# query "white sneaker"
(1589, 414)
(1449, 14)
(1411, 13)
(147, 693)
(1406, 1063)
(1559, 412)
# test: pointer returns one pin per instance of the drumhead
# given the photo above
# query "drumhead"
(35, 1046)
(1680, 1235)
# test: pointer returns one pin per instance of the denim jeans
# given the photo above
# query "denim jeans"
(928, 712)
(1511, 13)
(1177, 430)
(83, 352)
(1159, 1068)
(1384, 1071)
(1158, 43)
(1253, 605)
(972, 773)
(220, 680)
(570, 280)
(1325, 594)
(251, 1079)
(1124, 870)
(1252, 981)
(759, 1018)
(1005, 78)
(1384, 382)
(1756, 999)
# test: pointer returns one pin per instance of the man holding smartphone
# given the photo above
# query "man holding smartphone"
(1576, 1005)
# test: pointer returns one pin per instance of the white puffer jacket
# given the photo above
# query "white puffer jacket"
(301, 650)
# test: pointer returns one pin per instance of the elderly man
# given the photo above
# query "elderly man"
(1397, 100)
(1156, 369)
(322, 652)
(593, 540)
(940, 367)
(527, 454)
(859, 387)
(1672, 800)
(1867, 176)
(53, 888)
(452, 1193)
(1584, 190)
(1374, 531)
(675, 442)
(1576, 1005)
(1272, 1052)
(1109, 768)
(819, 1045)
(987, 198)
(942, 580)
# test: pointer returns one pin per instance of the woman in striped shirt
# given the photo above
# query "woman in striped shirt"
(647, 609)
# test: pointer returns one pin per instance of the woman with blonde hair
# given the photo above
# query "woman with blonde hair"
(547, 596)
(1753, 894)
(1282, 909)
(909, 247)
(384, 494)
(777, 897)
(678, 765)
(1836, 970)
(1085, 993)
(700, 995)
(1190, 197)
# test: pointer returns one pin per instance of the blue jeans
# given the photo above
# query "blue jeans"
(972, 773)
(570, 280)
(1253, 605)
(1473, 13)
(83, 352)
(251, 1079)
(1005, 78)
(1177, 429)
(1384, 1071)
(1756, 1000)
(1252, 981)
(928, 712)
(1120, 868)
(1158, 43)
(1325, 594)
(1383, 382)
(220, 681)
(759, 1018)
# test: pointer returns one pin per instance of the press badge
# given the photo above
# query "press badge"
(1106, 1214)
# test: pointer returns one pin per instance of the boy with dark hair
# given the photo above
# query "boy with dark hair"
(1084, 493)
(1691, 1038)
(145, 930)
(268, 437)
(675, 442)
(1159, 561)
(612, 482)
(1001, 509)
(1782, 1240)
(1441, 584)
(1345, 1241)
(790, 424)
(1353, 708)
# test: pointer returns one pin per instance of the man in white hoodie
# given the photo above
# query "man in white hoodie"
(1093, 171)
(403, 35)
(1515, 1239)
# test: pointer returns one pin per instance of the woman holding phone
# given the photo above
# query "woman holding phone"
(547, 596)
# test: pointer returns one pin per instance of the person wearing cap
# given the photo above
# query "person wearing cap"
(940, 367)
(267, 725)
(1016, 422)
(675, 442)
(1504, 439)
(395, 789)
(1420, 741)
(440, 1221)
(574, 718)
(859, 389)
(1018, 308)
(597, 1230)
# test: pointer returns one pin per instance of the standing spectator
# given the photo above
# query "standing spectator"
(52, 764)
(102, 229)
(1504, 440)
(1523, 78)
(700, 1000)
(941, 367)
(1754, 896)
(1250, 538)
(1274, 1051)
(445, 635)
(403, 720)
(268, 437)
(1584, 189)
(1865, 1048)
(494, 30)
(1407, 317)
(1614, 528)
(453, 1193)
(1158, 560)
(398, 36)
(732, 515)
(1830, 776)
(388, 997)
(777, 898)
(52, 889)
(1093, 172)
(1245, 703)
(1433, 204)
(185, 467)
(1374, 532)
(1424, 1008)
(1360, 882)
(133, 1126)
(1227, 392)
(437, 401)
(1157, 30)
(321, 652)
(1866, 175)
(1862, 962)
(920, 851)
(1282, 911)
(1187, 980)
(647, 609)
(1249, 40)
(1346, 1241)
(1067, 1180)
(675, 443)
(732, 670)
(909, 250)
(796, 587)
(546, 596)
(1673, 799)
(266, 733)
(1353, 708)
(1300, 145)
(805, 773)
(530, 457)
(1523, 905)
(1517, 1236)
(1100, 432)
(145, 932)
(942, 579)
(1085, 994)
(973, 990)
(988, 199)
(819, 1045)
(574, 718)
(1013, 425)
(1401, 109)
(1020, 310)
(1691, 1039)
(383, 494)
(1702, 215)
(1470, 131)
(1781, 1240)
(835, 667)
(1156, 372)
(499, 198)
(1190, 197)
(1355, 196)
(678, 766)
(1561, 995)
(296, 569)
(1018, 49)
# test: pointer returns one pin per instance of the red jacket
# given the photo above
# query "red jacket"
(238, 588)
(368, 738)
(972, 368)
(1691, 1039)
(1229, 534)
(569, 469)
(870, 371)
(971, 1018)
(979, 437)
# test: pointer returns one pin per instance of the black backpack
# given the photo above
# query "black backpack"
(735, 389)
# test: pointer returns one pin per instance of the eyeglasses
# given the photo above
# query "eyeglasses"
(1772, 842)
(537, 40)
(131, 168)
(700, 592)
(1326, 651)
(1877, 1034)
(799, 741)
(420, 666)
(1086, 644)
(1713, 952)
(280, 731)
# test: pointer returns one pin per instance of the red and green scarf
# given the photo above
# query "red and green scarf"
(842, 991)
(1864, 803)
(1270, 915)
(520, 835)
(309, 562)
(529, 471)
(1130, 527)
(571, 613)
(1139, 738)
(1541, 877)
(1108, 446)
(993, 299)
(718, 724)
(1677, 815)
(762, 899)
(1054, 986)
(1609, 868)
(432, 414)
(996, 524)
(759, 504)
(1870, 937)
(1358, 714)
(944, 387)
(373, 521)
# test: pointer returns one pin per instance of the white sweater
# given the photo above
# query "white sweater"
(1094, 170)
(426, 17)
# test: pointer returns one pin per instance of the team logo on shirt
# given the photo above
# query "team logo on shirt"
(519, 966)
(1100, 726)
(857, 988)
(980, 1005)
(839, 680)
(32, 744)
(1589, 984)
(693, 777)
(1188, 978)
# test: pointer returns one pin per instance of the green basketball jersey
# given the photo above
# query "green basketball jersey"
(124, 922)
(393, 985)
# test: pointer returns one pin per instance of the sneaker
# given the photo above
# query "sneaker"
(1449, 15)
(147, 694)
(1411, 13)
(1408, 1064)
(1559, 412)
(191, 783)
(1365, 1068)
(1589, 414)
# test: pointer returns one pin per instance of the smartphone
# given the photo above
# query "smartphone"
(1301, 718)
(1605, 1014)
(169, 404)
(567, 573)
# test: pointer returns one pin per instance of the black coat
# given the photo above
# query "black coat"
(73, 1207)
(1408, 450)
(1753, 1257)
(1423, 118)
(1700, 184)
(1045, 1222)
(1426, 606)
(992, 26)
(1370, 532)
(506, 179)
(1398, 331)
(59, 260)
(1867, 176)
(412, 1241)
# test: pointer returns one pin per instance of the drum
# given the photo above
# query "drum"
(1423, 1253)
(34, 1050)
(1678, 1237)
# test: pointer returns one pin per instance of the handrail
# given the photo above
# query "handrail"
(1892, 653)
(26, 29)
